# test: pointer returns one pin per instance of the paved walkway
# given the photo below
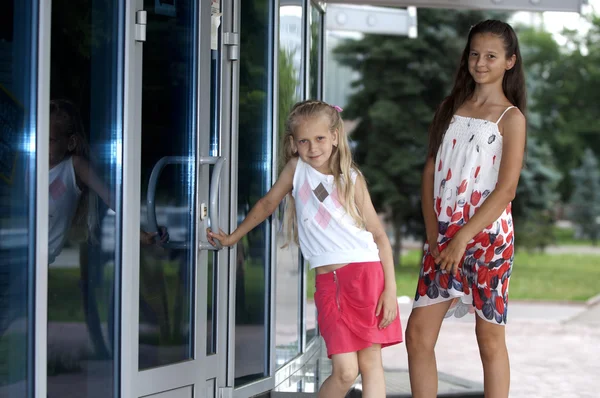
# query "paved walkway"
(554, 350)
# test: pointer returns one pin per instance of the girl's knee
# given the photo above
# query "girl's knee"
(369, 359)
(419, 338)
(346, 374)
(491, 341)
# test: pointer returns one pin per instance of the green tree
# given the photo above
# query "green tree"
(585, 201)
(402, 82)
(536, 197)
(565, 82)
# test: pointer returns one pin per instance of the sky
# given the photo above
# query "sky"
(555, 22)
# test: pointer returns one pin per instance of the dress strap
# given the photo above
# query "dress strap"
(503, 113)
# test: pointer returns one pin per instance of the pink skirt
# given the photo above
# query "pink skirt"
(346, 301)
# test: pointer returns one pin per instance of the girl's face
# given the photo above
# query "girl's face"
(60, 144)
(487, 59)
(314, 142)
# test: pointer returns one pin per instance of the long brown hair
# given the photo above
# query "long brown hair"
(513, 83)
(66, 120)
(340, 162)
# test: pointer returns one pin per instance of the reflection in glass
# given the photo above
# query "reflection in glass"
(17, 195)
(314, 52)
(83, 242)
(287, 329)
(168, 130)
(254, 180)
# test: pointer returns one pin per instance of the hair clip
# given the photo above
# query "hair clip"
(337, 108)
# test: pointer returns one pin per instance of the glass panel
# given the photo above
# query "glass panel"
(254, 180)
(17, 194)
(168, 130)
(287, 329)
(215, 111)
(84, 178)
(314, 69)
(314, 89)
(310, 311)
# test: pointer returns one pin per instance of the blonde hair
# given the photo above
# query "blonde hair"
(340, 162)
(66, 120)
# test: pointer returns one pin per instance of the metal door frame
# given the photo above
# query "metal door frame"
(196, 371)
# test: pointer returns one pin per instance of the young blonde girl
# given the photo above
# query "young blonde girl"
(331, 216)
(476, 148)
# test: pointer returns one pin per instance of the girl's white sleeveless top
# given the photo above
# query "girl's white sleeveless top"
(63, 198)
(326, 233)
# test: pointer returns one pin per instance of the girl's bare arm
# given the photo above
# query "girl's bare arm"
(388, 301)
(262, 209)
(427, 205)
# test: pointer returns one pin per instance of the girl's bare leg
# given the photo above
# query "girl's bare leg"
(371, 371)
(422, 333)
(494, 357)
(345, 371)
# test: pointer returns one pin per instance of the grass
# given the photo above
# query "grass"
(536, 276)
(566, 237)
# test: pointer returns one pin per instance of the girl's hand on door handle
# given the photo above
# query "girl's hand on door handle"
(222, 237)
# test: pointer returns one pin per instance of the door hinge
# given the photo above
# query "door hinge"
(232, 41)
(141, 18)
(225, 392)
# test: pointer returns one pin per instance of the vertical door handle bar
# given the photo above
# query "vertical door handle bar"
(213, 216)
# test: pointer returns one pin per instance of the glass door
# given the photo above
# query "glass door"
(176, 310)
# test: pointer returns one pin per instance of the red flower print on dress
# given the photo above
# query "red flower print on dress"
(482, 239)
(467, 212)
(429, 265)
(509, 237)
(449, 211)
(462, 187)
(444, 279)
(489, 254)
(457, 216)
(499, 304)
(478, 253)
(449, 175)
(508, 252)
(482, 276)
(477, 171)
(452, 230)
(453, 143)
(422, 287)
(487, 292)
(475, 197)
(504, 226)
(440, 165)
(499, 240)
(438, 205)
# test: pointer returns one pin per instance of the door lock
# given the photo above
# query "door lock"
(141, 19)
(203, 211)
